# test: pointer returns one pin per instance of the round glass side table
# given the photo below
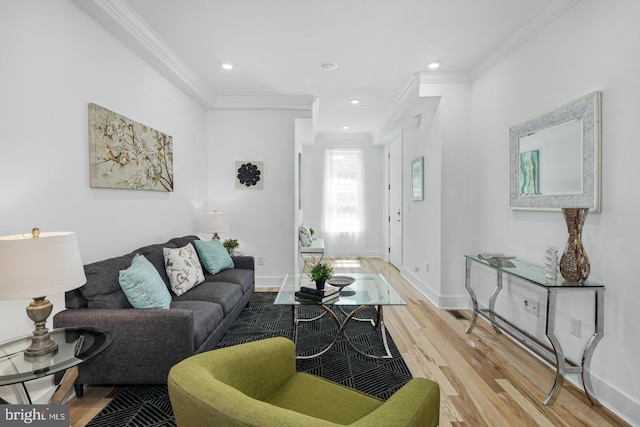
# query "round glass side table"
(75, 345)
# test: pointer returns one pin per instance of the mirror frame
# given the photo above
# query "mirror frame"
(587, 107)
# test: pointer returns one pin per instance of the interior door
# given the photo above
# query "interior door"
(395, 202)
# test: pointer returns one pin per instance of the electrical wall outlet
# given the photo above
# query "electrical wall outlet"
(260, 260)
(530, 306)
(574, 327)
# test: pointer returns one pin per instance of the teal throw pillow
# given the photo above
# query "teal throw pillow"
(143, 286)
(213, 255)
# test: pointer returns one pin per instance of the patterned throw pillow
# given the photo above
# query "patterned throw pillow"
(143, 286)
(304, 235)
(183, 268)
(213, 255)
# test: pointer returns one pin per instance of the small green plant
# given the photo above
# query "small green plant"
(321, 271)
(311, 231)
(230, 244)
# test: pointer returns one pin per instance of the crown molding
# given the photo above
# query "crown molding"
(117, 17)
(296, 102)
(523, 35)
(430, 77)
(406, 97)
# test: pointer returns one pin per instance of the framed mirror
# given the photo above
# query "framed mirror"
(554, 159)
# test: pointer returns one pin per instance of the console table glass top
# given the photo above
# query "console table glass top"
(532, 273)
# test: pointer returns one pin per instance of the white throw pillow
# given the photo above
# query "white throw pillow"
(183, 268)
(304, 235)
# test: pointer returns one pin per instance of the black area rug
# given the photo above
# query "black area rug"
(150, 405)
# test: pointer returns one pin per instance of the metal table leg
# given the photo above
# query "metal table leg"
(557, 349)
(593, 341)
(378, 322)
(492, 301)
(474, 300)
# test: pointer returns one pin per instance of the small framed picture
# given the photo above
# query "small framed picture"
(417, 179)
(249, 174)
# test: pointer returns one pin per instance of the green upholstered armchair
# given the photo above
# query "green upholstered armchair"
(256, 384)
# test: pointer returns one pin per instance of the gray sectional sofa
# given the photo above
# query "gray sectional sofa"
(148, 342)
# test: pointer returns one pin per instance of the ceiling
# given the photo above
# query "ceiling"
(277, 47)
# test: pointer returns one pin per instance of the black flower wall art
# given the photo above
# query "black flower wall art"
(249, 174)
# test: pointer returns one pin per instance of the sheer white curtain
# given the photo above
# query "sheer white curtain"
(344, 202)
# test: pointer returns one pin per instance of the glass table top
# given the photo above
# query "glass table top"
(75, 345)
(532, 273)
(368, 289)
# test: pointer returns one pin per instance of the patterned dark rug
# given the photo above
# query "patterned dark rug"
(150, 406)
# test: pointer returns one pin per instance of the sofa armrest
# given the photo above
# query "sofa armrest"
(245, 262)
(417, 403)
(141, 339)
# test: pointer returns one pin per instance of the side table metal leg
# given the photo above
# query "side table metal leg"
(474, 300)
(593, 341)
(557, 349)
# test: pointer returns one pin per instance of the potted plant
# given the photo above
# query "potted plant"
(231, 245)
(320, 273)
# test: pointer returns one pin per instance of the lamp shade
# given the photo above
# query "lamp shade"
(215, 222)
(39, 266)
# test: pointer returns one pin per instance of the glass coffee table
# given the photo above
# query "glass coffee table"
(368, 290)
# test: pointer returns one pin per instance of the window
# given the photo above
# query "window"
(343, 207)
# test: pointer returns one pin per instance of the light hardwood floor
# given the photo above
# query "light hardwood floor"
(485, 378)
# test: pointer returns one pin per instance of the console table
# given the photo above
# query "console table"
(535, 275)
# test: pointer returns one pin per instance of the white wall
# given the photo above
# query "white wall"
(594, 46)
(263, 220)
(313, 190)
(55, 61)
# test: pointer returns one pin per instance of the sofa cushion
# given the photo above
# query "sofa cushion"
(239, 276)
(228, 295)
(214, 256)
(304, 235)
(143, 286)
(206, 318)
(155, 255)
(183, 268)
(102, 289)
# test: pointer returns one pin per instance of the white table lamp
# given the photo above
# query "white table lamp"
(215, 222)
(38, 264)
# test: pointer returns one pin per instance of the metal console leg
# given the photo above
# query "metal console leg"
(557, 349)
(492, 301)
(598, 333)
(474, 300)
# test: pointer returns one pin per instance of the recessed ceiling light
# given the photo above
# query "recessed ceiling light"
(227, 66)
(355, 101)
(329, 66)
(345, 127)
(433, 65)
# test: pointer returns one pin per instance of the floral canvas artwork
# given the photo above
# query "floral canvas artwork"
(249, 174)
(127, 154)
